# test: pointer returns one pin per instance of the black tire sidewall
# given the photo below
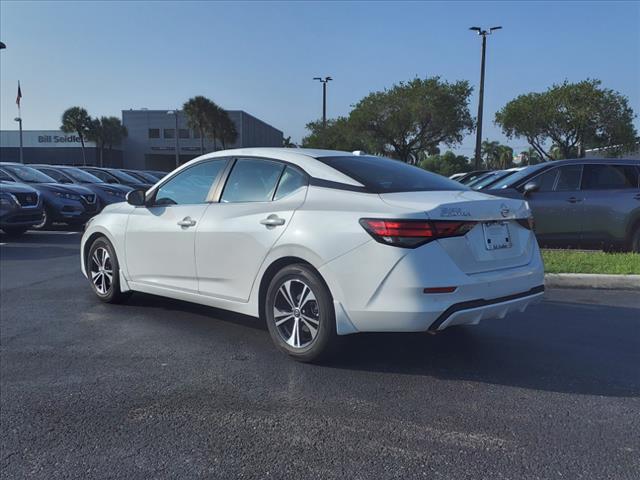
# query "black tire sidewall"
(114, 294)
(326, 338)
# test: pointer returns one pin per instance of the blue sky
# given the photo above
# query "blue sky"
(261, 56)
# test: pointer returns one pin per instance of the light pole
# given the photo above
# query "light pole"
(175, 114)
(483, 34)
(324, 82)
(19, 120)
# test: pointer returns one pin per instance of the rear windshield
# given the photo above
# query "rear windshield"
(383, 175)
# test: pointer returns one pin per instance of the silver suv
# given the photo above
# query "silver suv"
(581, 203)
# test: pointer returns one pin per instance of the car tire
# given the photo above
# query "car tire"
(46, 220)
(635, 240)
(14, 231)
(300, 315)
(103, 272)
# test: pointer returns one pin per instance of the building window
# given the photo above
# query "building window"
(154, 133)
(169, 133)
(183, 133)
(196, 134)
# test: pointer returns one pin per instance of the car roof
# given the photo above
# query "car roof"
(305, 158)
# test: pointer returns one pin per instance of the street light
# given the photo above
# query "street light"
(175, 114)
(483, 34)
(19, 120)
(324, 82)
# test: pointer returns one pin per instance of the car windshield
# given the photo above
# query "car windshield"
(82, 176)
(511, 180)
(123, 177)
(383, 175)
(28, 174)
(145, 177)
(485, 177)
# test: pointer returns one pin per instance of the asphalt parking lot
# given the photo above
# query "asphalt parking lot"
(164, 389)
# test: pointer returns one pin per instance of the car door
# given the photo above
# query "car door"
(256, 205)
(557, 205)
(159, 239)
(612, 195)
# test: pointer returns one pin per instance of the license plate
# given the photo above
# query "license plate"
(496, 235)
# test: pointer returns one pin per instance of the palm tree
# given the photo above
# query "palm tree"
(505, 157)
(490, 152)
(226, 128)
(77, 120)
(201, 117)
(96, 133)
(287, 143)
(115, 132)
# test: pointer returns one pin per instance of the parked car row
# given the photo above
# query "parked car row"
(36, 196)
(584, 203)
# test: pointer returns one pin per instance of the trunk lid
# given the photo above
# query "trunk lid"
(474, 252)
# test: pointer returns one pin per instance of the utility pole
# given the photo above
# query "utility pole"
(324, 82)
(483, 34)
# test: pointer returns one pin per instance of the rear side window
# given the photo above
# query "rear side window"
(609, 177)
(383, 175)
(252, 180)
(291, 180)
(191, 186)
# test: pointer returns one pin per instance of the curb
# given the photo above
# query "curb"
(588, 280)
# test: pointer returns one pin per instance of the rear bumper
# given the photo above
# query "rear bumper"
(381, 289)
(472, 312)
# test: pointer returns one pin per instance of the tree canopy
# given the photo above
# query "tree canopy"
(77, 120)
(106, 132)
(446, 164)
(210, 121)
(401, 122)
(570, 118)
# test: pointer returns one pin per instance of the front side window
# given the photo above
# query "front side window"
(252, 180)
(191, 186)
(291, 180)
(569, 178)
(547, 180)
(383, 175)
(609, 177)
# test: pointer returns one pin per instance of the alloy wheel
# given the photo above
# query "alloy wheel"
(296, 313)
(101, 270)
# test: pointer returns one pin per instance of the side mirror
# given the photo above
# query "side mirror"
(531, 187)
(137, 198)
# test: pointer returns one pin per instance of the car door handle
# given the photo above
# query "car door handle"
(187, 222)
(574, 200)
(272, 221)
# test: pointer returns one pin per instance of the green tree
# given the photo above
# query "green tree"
(339, 134)
(530, 157)
(77, 120)
(413, 117)
(288, 143)
(106, 131)
(225, 128)
(202, 117)
(446, 164)
(571, 117)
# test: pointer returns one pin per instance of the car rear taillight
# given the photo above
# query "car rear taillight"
(527, 223)
(413, 233)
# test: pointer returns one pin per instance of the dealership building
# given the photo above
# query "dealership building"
(150, 143)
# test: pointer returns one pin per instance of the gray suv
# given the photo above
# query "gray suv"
(581, 203)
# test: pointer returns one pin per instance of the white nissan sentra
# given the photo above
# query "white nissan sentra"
(318, 244)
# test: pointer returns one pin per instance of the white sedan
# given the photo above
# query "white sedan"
(318, 244)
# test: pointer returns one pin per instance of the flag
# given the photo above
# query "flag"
(19, 95)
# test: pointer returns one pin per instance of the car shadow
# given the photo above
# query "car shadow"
(555, 347)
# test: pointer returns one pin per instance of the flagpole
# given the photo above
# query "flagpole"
(19, 119)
